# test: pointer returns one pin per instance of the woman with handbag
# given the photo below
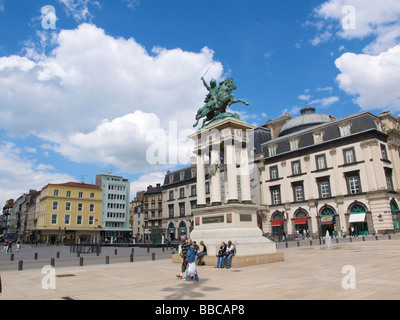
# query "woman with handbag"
(191, 271)
(221, 255)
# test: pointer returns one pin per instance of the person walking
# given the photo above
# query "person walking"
(190, 259)
(183, 250)
(5, 245)
(18, 244)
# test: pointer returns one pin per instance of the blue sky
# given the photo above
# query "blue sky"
(113, 80)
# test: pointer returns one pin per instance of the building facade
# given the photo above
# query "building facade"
(153, 214)
(69, 213)
(320, 174)
(115, 207)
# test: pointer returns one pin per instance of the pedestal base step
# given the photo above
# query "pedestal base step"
(240, 261)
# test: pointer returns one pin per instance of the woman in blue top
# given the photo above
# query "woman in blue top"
(190, 258)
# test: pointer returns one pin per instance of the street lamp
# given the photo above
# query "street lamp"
(318, 220)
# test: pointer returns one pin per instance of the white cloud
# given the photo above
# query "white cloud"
(142, 182)
(17, 174)
(373, 79)
(380, 19)
(325, 102)
(79, 9)
(91, 76)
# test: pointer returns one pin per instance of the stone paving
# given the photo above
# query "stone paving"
(308, 273)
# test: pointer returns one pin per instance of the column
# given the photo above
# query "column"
(232, 194)
(215, 174)
(245, 176)
(395, 159)
(201, 180)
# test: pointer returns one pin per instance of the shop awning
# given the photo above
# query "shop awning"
(357, 217)
(277, 222)
(326, 219)
(300, 221)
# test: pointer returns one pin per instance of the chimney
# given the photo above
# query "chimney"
(158, 187)
(149, 187)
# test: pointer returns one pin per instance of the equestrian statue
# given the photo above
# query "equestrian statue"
(217, 100)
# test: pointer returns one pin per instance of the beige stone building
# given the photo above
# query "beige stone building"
(318, 173)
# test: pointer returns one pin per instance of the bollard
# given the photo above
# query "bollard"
(131, 257)
(107, 260)
(36, 256)
(58, 255)
(133, 250)
(0, 286)
(310, 242)
(20, 265)
(337, 240)
(363, 238)
(153, 256)
(81, 261)
(298, 243)
(148, 250)
(52, 262)
(163, 249)
(115, 252)
(389, 236)
(12, 257)
(376, 237)
(351, 239)
(286, 245)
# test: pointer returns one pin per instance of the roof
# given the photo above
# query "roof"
(76, 185)
(307, 119)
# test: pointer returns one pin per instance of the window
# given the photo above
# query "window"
(80, 207)
(56, 193)
(68, 194)
(349, 156)
(345, 129)
(80, 194)
(182, 175)
(296, 169)
(298, 191)
(273, 173)
(54, 219)
(324, 187)
(193, 171)
(193, 190)
(272, 150)
(171, 210)
(67, 219)
(182, 209)
(92, 195)
(207, 187)
(384, 152)
(55, 205)
(318, 137)
(321, 162)
(294, 144)
(171, 178)
(79, 219)
(91, 207)
(276, 195)
(91, 220)
(171, 195)
(68, 206)
(389, 180)
(353, 182)
(181, 192)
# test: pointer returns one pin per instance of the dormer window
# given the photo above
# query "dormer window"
(272, 150)
(345, 129)
(318, 137)
(294, 144)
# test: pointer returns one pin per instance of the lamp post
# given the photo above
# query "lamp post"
(318, 220)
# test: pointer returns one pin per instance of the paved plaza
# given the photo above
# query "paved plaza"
(308, 272)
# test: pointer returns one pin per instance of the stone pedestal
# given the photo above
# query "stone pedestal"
(231, 216)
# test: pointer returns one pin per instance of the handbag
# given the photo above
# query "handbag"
(180, 251)
(191, 269)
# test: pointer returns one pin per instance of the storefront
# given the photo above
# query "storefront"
(357, 219)
(327, 222)
(300, 222)
(171, 231)
(395, 215)
(277, 224)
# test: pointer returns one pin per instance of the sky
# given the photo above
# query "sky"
(114, 85)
